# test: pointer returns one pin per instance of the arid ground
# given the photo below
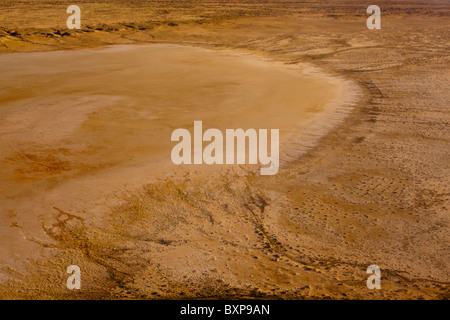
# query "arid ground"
(374, 190)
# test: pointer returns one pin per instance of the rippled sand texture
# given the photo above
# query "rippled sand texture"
(375, 190)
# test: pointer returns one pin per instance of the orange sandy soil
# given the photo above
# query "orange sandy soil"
(374, 191)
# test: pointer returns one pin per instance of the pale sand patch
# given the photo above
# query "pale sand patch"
(78, 129)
